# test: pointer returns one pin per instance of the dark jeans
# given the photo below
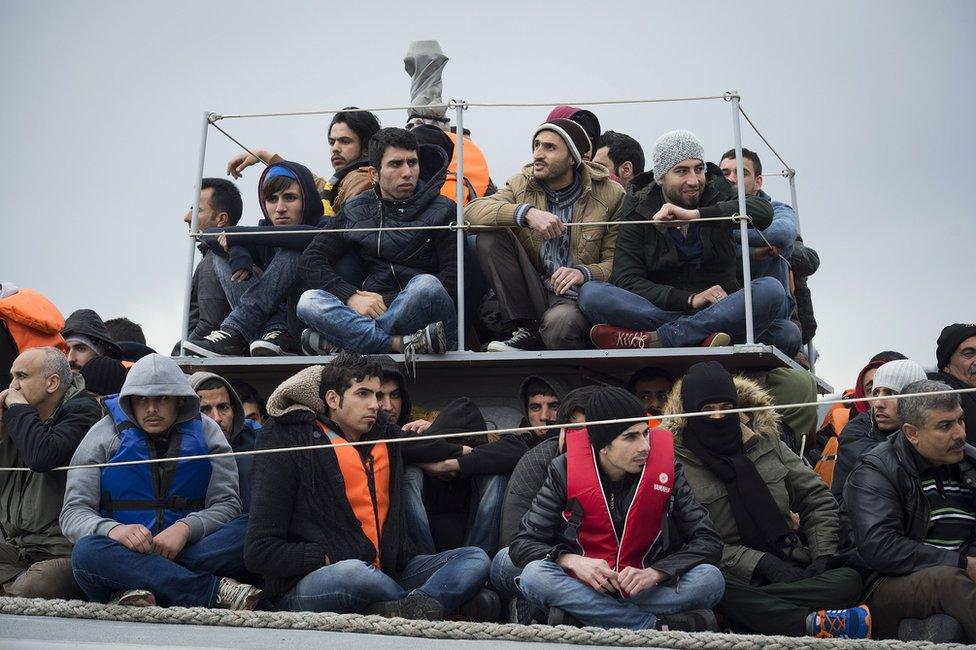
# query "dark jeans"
(938, 590)
(782, 608)
(258, 304)
(605, 303)
(522, 296)
(102, 566)
(483, 524)
(503, 575)
(350, 586)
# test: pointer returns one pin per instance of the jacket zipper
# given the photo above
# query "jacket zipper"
(378, 256)
(371, 482)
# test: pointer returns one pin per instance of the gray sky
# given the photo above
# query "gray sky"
(870, 102)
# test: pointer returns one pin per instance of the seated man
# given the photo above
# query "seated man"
(621, 155)
(776, 576)
(913, 508)
(255, 406)
(675, 284)
(327, 527)
(87, 338)
(568, 541)
(220, 402)
(288, 201)
(956, 362)
(537, 273)
(156, 533)
(651, 386)
(407, 300)
(44, 414)
(855, 441)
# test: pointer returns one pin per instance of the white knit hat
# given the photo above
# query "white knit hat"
(896, 375)
(673, 147)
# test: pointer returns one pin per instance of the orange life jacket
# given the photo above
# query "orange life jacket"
(834, 422)
(32, 320)
(367, 484)
(828, 459)
(476, 174)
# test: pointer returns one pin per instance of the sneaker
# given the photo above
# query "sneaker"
(483, 608)
(315, 345)
(237, 596)
(276, 343)
(218, 343)
(937, 628)
(559, 616)
(853, 623)
(716, 340)
(522, 611)
(415, 606)
(133, 598)
(523, 340)
(611, 337)
(695, 620)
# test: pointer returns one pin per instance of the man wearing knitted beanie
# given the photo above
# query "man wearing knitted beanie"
(675, 283)
(538, 264)
(955, 357)
(619, 476)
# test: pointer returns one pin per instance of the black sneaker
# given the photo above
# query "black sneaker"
(522, 611)
(937, 628)
(694, 620)
(523, 340)
(276, 343)
(415, 606)
(315, 345)
(559, 616)
(218, 343)
(483, 608)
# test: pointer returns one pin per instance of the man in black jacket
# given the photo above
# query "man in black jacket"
(912, 501)
(955, 357)
(327, 525)
(406, 303)
(573, 561)
(44, 414)
(675, 285)
(87, 338)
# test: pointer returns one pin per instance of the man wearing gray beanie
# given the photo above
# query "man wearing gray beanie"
(675, 283)
(868, 430)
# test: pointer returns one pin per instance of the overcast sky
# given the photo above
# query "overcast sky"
(871, 103)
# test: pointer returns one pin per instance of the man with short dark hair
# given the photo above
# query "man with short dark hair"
(254, 404)
(87, 338)
(620, 154)
(912, 502)
(44, 414)
(537, 264)
(955, 361)
(406, 303)
(651, 386)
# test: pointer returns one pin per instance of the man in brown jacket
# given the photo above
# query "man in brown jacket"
(538, 262)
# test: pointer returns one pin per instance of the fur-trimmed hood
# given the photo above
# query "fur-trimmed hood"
(763, 423)
(300, 392)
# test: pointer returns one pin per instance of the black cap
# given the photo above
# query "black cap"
(950, 339)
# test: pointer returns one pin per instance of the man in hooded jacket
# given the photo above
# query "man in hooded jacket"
(87, 338)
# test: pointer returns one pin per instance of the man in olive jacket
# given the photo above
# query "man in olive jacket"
(537, 264)
(774, 561)
(676, 285)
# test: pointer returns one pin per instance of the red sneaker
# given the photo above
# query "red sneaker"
(611, 337)
(716, 340)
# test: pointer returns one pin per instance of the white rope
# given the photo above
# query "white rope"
(444, 436)
(792, 172)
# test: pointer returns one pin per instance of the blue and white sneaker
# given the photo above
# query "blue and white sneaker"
(853, 623)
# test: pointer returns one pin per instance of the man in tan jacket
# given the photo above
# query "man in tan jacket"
(539, 260)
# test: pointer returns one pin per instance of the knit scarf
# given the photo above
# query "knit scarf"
(558, 252)
(761, 524)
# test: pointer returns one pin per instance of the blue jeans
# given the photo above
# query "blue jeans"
(605, 303)
(503, 574)
(350, 586)
(423, 301)
(258, 304)
(483, 524)
(546, 584)
(101, 566)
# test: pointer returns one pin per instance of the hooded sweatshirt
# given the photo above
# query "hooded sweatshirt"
(559, 386)
(88, 323)
(153, 375)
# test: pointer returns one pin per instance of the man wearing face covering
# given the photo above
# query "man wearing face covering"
(777, 581)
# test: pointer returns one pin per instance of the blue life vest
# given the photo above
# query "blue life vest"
(155, 495)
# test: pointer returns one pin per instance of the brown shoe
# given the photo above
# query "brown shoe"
(716, 340)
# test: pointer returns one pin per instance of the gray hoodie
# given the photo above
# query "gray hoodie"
(198, 378)
(153, 375)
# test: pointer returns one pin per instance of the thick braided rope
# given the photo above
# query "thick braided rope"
(453, 630)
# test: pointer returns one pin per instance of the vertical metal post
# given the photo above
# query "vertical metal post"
(743, 225)
(459, 107)
(194, 217)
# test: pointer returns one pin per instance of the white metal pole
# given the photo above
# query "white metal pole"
(459, 107)
(194, 217)
(743, 225)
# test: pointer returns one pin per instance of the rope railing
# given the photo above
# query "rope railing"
(507, 430)
(789, 169)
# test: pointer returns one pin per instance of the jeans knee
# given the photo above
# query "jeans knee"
(707, 583)
(87, 548)
(589, 293)
(769, 290)
(349, 571)
(306, 303)
(474, 557)
(425, 284)
(535, 580)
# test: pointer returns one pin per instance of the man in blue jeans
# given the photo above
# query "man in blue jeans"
(675, 284)
(327, 526)
(615, 537)
(406, 303)
(168, 533)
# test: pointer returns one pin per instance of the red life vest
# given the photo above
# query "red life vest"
(645, 516)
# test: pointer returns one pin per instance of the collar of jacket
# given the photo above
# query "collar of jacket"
(908, 458)
(645, 196)
(587, 177)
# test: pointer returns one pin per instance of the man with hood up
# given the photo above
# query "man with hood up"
(87, 338)
(407, 301)
(259, 315)
(44, 414)
(156, 533)
(221, 403)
